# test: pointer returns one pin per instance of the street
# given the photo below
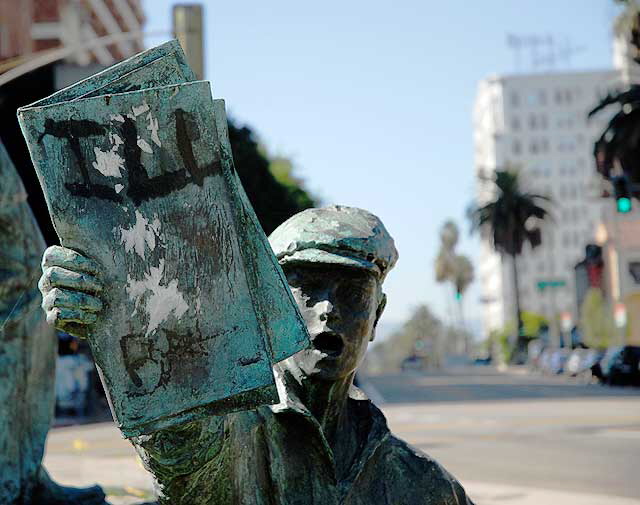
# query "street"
(509, 437)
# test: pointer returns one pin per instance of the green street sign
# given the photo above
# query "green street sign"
(542, 285)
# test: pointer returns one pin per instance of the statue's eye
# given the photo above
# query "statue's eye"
(350, 292)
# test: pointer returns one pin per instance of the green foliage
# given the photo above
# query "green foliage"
(500, 342)
(273, 191)
(423, 335)
(596, 323)
(449, 266)
(619, 143)
(533, 323)
(508, 217)
(422, 331)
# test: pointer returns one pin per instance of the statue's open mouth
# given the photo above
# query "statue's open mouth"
(329, 343)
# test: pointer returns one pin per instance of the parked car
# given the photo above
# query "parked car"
(412, 363)
(581, 363)
(574, 362)
(552, 361)
(534, 353)
(620, 366)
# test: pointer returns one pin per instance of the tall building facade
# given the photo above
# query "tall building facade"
(537, 124)
(31, 26)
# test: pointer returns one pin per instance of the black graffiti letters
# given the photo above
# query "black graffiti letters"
(73, 130)
(140, 186)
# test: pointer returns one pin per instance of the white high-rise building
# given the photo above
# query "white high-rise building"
(538, 124)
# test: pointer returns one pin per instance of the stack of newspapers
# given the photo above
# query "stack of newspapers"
(136, 167)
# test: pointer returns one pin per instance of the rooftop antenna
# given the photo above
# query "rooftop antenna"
(541, 52)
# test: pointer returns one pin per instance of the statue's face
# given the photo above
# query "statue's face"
(339, 306)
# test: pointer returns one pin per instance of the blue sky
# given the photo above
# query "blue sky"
(373, 101)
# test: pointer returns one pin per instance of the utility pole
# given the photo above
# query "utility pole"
(188, 29)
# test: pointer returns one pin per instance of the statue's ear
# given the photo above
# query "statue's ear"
(379, 311)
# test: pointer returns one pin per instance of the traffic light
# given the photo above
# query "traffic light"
(622, 193)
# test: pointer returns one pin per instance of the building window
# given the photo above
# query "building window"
(568, 96)
(542, 97)
(516, 147)
(515, 123)
(543, 122)
(514, 99)
(557, 96)
(545, 145)
(533, 147)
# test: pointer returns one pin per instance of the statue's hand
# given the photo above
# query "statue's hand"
(70, 290)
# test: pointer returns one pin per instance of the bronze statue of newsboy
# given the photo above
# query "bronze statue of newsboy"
(325, 443)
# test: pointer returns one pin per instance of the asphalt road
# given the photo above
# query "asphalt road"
(519, 429)
(511, 438)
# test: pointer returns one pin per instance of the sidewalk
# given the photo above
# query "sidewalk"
(500, 494)
(84, 455)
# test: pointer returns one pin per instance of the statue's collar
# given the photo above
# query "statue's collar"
(361, 410)
(288, 386)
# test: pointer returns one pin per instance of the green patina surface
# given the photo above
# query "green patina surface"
(27, 345)
(143, 183)
(197, 311)
(27, 357)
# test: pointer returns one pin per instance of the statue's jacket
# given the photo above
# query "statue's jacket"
(278, 455)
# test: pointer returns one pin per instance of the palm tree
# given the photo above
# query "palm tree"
(619, 144)
(618, 147)
(454, 268)
(510, 219)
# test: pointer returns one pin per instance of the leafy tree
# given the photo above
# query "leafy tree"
(619, 144)
(510, 220)
(422, 333)
(596, 322)
(449, 266)
(275, 196)
(532, 323)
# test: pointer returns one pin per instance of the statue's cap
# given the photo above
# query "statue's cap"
(336, 235)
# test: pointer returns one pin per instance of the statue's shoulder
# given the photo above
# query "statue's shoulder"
(407, 465)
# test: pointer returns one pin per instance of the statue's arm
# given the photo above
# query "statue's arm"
(187, 461)
(71, 297)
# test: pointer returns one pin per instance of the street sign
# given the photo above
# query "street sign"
(542, 285)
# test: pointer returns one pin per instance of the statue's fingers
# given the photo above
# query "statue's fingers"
(63, 316)
(62, 298)
(58, 256)
(58, 277)
(75, 329)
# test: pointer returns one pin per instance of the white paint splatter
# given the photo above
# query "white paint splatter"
(116, 141)
(161, 302)
(137, 111)
(117, 117)
(108, 163)
(144, 145)
(119, 187)
(141, 235)
(153, 128)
